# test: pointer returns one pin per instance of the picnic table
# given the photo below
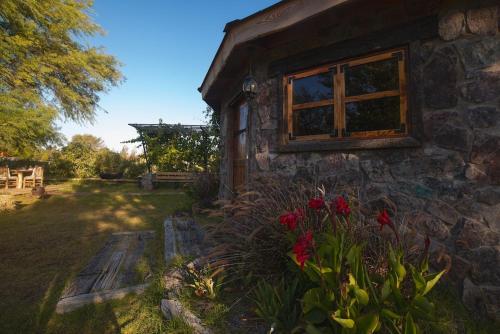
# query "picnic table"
(21, 178)
(21, 173)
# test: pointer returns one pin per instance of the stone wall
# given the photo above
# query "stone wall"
(449, 187)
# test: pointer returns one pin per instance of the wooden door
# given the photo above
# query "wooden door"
(240, 145)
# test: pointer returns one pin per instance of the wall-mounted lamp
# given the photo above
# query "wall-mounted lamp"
(250, 87)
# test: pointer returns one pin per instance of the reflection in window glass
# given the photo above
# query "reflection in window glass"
(372, 77)
(372, 115)
(243, 116)
(313, 121)
(313, 88)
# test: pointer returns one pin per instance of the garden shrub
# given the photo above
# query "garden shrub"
(205, 188)
(250, 243)
(358, 278)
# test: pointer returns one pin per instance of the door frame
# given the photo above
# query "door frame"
(234, 123)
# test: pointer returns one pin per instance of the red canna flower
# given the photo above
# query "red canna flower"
(427, 243)
(300, 213)
(341, 206)
(302, 247)
(290, 218)
(384, 219)
(317, 203)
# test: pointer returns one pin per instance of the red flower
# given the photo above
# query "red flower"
(384, 219)
(317, 203)
(300, 213)
(290, 218)
(427, 244)
(302, 247)
(341, 206)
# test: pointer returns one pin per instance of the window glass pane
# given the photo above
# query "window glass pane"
(372, 115)
(313, 121)
(243, 116)
(313, 88)
(372, 77)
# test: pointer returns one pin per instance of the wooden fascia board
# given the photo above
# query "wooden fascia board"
(268, 22)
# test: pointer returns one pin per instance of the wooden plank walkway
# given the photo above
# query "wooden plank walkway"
(182, 237)
(113, 268)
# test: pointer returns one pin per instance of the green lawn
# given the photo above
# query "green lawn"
(46, 242)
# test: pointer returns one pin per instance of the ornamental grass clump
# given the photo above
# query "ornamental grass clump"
(347, 291)
(248, 242)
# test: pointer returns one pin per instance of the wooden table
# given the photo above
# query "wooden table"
(21, 173)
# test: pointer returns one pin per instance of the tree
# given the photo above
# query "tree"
(82, 152)
(24, 132)
(45, 69)
(92, 142)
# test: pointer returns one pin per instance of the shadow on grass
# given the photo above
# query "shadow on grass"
(45, 244)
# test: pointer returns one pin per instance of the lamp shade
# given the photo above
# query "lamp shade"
(250, 86)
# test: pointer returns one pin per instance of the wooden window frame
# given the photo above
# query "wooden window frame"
(339, 100)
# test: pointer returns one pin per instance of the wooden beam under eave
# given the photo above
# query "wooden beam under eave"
(278, 18)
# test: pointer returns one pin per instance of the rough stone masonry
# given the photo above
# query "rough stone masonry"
(451, 181)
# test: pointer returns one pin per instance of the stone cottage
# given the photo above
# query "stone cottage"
(398, 97)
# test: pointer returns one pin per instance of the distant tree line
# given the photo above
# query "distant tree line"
(86, 156)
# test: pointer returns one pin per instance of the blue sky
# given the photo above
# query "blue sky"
(166, 48)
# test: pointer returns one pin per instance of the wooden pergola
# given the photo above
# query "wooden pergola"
(166, 131)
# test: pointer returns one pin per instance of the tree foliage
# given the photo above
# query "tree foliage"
(24, 132)
(82, 153)
(86, 156)
(46, 70)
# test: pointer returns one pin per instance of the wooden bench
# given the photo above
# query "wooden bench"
(174, 177)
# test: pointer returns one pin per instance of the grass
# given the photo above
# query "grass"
(454, 318)
(44, 243)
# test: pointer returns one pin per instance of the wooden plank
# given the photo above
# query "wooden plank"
(403, 101)
(342, 117)
(72, 303)
(170, 245)
(107, 277)
(311, 72)
(314, 104)
(106, 270)
(128, 272)
(337, 99)
(172, 308)
(376, 134)
(289, 103)
(313, 137)
(386, 54)
(372, 96)
(284, 120)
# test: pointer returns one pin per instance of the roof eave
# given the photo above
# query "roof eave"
(268, 21)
